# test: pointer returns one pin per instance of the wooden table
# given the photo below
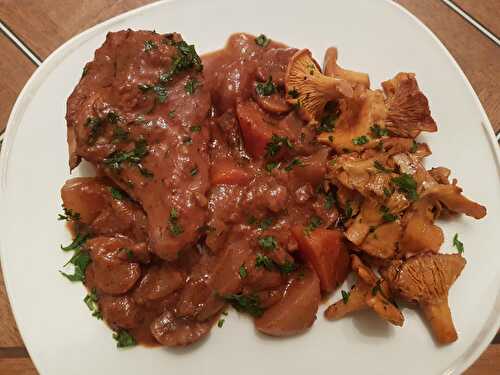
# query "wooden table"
(43, 25)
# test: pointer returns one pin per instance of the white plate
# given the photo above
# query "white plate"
(376, 37)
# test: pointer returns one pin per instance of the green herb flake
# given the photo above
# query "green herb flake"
(149, 45)
(195, 128)
(264, 261)
(387, 192)
(220, 323)
(245, 303)
(78, 241)
(327, 123)
(186, 58)
(266, 223)
(376, 289)
(414, 147)
(175, 228)
(287, 267)
(314, 223)
(194, 171)
(91, 302)
(277, 142)
(69, 215)
(262, 41)
(458, 244)
(267, 88)
(345, 296)
(161, 93)
(330, 200)
(80, 261)
(268, 243)
(119, 135)
(243, 272)
(116, 193)
(135, 156)
(378, 132)
(407, 185)
(295, 162)
(347, 211)
(124, 339)
(270, 166)
(84, 71)
(386, 215)
(144, 87)
(171, 114)
(191, 86)
(378, 165)
(94, 124)
(361, 140)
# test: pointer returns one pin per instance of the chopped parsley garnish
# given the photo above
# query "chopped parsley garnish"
(252, 220)
(293, 163)
(270, 166)
(267, 88)
(84, 71)
(386, 215)
(191, 86)
(345, 296)
(220, 323)
(78, 241)
(68, 215)
(268, 243)
(171, 113)
(243, 271)
(186, 58)
(149, 45)
(330, 200)
(194, 171)
(314, 223)
(144, 171)
(361, 140)
(414, 147)
(195, 128)
(262, 41)
(264, 261)
(458, 244)
(94, 124)
(327, 123)
(387, 192)
(124, 339)
(112, 117)
(381, 167)
(91, 302)
(266, 223)
(294, 94)
(115, 160)
(175, 228)
(407, 185)
(119, 134)
(277, 142)
(116, 193)
(130, 253)
(287, 267)
(347, 211)
(376, 289)
(378, 132)
(80, 261)
(246, 303)
(161, 93)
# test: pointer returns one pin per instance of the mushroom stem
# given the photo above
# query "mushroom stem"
(439, 316)
(332, 69)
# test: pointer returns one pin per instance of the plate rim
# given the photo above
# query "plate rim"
(460, 364)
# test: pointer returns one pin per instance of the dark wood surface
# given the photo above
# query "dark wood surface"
(43, 25)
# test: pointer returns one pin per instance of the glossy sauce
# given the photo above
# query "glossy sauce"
(165, 254)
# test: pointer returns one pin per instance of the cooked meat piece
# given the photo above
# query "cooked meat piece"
(158, 282)
(105, 209)
(172, 331)
(296, 311)
(407, 108)
(131, 115)
(425, 279)
(112, 274)
(120, 312)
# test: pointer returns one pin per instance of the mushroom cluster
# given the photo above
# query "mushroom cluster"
(389, 200)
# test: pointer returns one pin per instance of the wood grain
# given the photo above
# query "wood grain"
(488, 363)
(478, 56)
(17, 366)
(9, 335)
(487, 12)
(45, 24)
(15, 69)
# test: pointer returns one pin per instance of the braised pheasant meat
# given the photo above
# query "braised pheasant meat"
(251, 177)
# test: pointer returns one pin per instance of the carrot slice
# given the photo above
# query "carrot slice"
(326, 251)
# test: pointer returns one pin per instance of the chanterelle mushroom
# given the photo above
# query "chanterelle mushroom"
(368, 292)
(332, 69)
(310, 89)
(426, 279)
